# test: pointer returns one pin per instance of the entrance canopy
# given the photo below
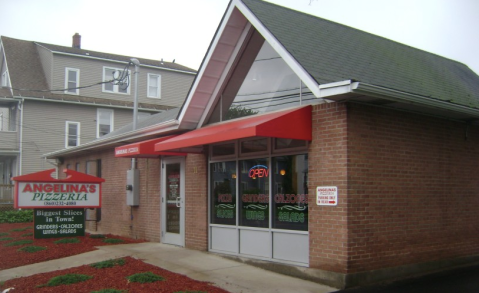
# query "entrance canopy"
(292, 124)
(143, 149)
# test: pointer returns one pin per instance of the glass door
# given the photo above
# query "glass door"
(173, 201)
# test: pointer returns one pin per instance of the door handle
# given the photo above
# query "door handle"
(178, 202)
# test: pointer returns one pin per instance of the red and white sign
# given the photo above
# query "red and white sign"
(327, 195)
(41, 190)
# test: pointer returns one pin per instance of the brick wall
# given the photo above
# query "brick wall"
(142, 222)
(412, 189)
(196, 234)
(328, 167)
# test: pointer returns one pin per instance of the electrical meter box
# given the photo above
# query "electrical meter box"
(133, 187)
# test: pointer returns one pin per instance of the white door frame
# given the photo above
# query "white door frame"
(168, 237)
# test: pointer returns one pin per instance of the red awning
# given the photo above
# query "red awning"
(292, 124)
(143, 149)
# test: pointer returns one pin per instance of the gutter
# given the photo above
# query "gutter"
(90, 104)
(349, 90)
(165, 127)
(20, 160)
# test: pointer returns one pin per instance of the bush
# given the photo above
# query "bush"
(32, 248)
(191, 292)
(113, 241)
(147, 277)
(6, 238)
(17, 216)
(67, 279)
(19, 242)
(4, 234)
(27, 234)
(108, 263)
(20, 229)
(95, 236)
(67, 240)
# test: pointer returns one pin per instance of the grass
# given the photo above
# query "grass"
(32, 248)
(108, 263)
(67, 240)
(109, 291)
(113, 240)
(19, 242)
(66, 280)
(147, 277)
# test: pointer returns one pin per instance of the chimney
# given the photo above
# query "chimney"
(76, 43)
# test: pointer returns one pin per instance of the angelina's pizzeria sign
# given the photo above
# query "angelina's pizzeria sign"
(41, 190)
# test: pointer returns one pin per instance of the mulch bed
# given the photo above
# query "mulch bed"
(106, 278)
(11, 257)
(113, 278)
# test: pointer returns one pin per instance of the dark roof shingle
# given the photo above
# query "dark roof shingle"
(332, 52)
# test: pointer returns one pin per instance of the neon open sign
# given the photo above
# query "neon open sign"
(258, 171)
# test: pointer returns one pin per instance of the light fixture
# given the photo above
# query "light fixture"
(282, 172)
(233, 175)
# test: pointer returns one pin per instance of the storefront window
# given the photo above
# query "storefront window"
(290, 193)
(223, 199)
(254, 193)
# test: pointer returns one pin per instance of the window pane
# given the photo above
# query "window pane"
(108, 76)
(223, 193)
(254, 146)
(104, 122)
(283, 143)
(254, 193)
(290, 200)
(223, 150)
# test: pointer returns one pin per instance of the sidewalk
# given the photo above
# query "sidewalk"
(203, 266)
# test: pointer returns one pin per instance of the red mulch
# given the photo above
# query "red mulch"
(108, 278)
(12, 258)
(113, 278)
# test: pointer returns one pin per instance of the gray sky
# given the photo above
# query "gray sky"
(183, 29)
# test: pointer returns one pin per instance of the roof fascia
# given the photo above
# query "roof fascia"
(163, 128)
(339, 89)
(6, 66)
(116, 61)
(307, 79)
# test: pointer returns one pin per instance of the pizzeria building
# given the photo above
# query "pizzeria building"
(307, 145)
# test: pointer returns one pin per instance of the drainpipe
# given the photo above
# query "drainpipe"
(20, 160)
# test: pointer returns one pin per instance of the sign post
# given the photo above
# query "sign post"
(58, 203)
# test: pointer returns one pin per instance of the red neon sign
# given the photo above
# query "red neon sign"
(258, 171)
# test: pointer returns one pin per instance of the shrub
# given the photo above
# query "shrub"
(27, 234)
(108, 263)
(6, 238)
(97, 236)
(67, 240)
(32, 248)
(147, 277)
(66, 279)
(112, 240)
(19, 242)
(4, 234)
(17, 216)
(19, 229)
(191, 292)
(109, 291)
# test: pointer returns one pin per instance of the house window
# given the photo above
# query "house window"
(116, 86)
(104, 118)
(72, 134)
(154, 86)
(4, 79)
(72, 81)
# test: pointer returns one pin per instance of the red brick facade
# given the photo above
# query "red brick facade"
(407, 190)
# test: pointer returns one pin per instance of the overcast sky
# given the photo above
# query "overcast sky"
(183, 29)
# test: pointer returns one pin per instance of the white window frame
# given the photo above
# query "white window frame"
(5, 78)
(77, 81)
(158, 90)
(67, 134)
(116, 87)
(98, 111)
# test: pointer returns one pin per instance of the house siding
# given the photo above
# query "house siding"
(46, 59)
(44, 129)
(174, 85)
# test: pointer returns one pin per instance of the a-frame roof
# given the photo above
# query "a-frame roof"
(323, 52)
